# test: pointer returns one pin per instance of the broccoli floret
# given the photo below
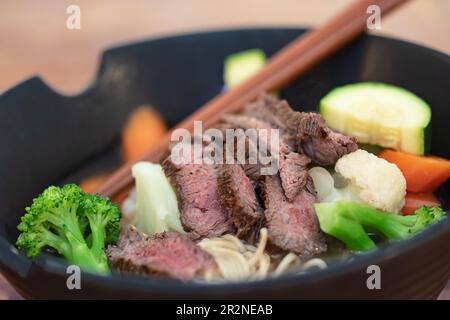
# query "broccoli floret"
(75, 224)
(350, 221)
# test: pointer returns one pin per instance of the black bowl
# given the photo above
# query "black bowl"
(48, 138)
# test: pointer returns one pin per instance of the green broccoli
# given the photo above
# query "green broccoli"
(350, 221)
(75, 224)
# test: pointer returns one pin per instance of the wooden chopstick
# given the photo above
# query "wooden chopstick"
(297, 57)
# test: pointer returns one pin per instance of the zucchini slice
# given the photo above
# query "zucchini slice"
(240, 66)
(379, 114)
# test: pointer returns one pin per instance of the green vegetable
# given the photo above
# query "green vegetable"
(379, 114)
(372, 148)
(75, 224)
(350, 221)
(157, 206)
(240, 66)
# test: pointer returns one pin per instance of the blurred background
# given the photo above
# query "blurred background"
(34, 39)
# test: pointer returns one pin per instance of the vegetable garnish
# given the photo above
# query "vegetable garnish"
(376, 181)
(75, 224)
(156, 202)
(414, 201)
(348, 222)
(144, 128)
(422, 174)
(91, 184)
(240, 66)
(379, 114)
(325, 186)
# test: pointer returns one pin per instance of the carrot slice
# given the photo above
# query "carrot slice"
(91, 184)
(144, 128)
(414, 201)
(422, 174)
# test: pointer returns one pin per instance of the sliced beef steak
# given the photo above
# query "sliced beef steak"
(270, 109)
(238, 196)
(202, 214)
(289, 161)
(306, 132)
(293, 173)
(250, 146)
(167, 254)
(292, 226)
(323, 145)
(245, 121)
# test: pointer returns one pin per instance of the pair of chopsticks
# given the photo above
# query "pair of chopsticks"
(290, 62)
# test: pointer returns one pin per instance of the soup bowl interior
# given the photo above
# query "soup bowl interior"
(48, 138)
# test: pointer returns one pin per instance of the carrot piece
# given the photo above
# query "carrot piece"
(422, 174)
(144, 128)
(414, 201)
(91, 184)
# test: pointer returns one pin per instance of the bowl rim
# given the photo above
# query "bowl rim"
(385, 252)
(57, 266)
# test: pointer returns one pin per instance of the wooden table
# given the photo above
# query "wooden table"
(34, 38)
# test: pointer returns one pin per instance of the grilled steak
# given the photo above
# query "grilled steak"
(293, 173)
(272, 110)
(213, 203)
(307, 132)
(245, 121)
(167, 254)
(238, 196)
(292, 226)
(202, 214)
(323, 145)
(292, 165)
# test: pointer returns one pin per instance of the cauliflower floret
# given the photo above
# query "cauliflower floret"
(156, 208)
(129, 208)
(377, 182)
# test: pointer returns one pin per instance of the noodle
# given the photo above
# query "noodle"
(236, 241)
(237, 261)
(233, 265)
(260, 250)
(314, 263)
(240, 261)
(289, 259)
(263, 267)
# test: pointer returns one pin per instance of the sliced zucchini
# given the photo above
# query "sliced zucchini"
(379, 114)
(240, 66)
